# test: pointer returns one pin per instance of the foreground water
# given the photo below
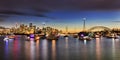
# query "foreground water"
(62, 49)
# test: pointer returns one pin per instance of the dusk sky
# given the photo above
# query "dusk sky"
(60, 13)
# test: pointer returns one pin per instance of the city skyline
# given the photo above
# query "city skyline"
(73, 20)
(59, 29)
(59, 14)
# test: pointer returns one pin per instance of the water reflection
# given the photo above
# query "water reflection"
(32, 50)
(66, 49)
(44, 50)
(85, 42)
(66, 38)
(66, 42)
(15, 50)
(77, 43)
(98, 49)
(6, 49)
(27, 50)
(37, 49)
(113, 47)
(53, 50)
(63, 49)
(85, 50)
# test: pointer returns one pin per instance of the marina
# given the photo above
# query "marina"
(60, 30)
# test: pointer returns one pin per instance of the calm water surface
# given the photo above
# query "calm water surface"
(62, 49)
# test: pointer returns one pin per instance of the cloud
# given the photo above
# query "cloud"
(9, 13)
(40, 7)
(93, 4)
(80, 4)
(3, 16)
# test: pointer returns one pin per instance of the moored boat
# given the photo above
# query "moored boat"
(112, 35)
(52, 37)
(84, 36)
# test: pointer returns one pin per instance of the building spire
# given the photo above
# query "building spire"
(84, 19)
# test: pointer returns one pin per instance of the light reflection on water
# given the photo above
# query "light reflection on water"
(15, 50)
(98, 49)
(85, 42)
(66, 42)
(44, 50)
(113, 47)
(27, 50)
(66, 48)
(6, 49)
(53, 50)
(32, 50)
(37, 51)
(63, 49)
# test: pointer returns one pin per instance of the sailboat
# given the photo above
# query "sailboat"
(112, 35)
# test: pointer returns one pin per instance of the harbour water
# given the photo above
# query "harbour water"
(63, 49)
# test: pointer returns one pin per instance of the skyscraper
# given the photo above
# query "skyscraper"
(30, 25)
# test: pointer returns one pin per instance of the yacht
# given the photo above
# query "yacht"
(52, 36)
(84, 36)
(9, 37)
(32, 37)
(112, 35)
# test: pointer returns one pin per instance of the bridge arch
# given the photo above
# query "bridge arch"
(97, 27)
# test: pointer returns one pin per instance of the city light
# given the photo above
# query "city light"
(60, 30)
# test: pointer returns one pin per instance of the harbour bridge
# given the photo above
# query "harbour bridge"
(99, 27)
(95, 27)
